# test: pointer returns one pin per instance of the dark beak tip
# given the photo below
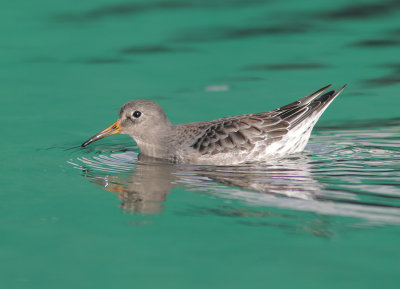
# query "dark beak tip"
(86, 143)
(113, 129)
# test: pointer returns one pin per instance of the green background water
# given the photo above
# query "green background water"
(67, 67)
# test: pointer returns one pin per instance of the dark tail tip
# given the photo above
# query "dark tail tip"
(331, 94)
(326, 96)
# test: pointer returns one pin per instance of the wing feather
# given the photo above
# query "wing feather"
(243, 132)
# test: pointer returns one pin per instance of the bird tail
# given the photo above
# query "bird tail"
(308, 108)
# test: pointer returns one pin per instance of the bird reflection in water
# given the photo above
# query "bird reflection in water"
(145, 187)
(145, 190)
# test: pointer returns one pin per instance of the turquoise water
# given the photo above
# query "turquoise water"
(104, 217)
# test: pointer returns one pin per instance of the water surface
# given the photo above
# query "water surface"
(105, 217)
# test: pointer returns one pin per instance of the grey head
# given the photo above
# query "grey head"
(141, 119)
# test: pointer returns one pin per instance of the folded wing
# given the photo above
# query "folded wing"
(243, 132)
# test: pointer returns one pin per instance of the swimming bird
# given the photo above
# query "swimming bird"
(225, 141)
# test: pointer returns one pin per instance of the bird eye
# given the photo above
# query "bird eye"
(137, 114)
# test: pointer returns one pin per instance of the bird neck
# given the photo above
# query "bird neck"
(156, 145)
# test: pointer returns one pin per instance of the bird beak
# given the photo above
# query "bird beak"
(112, 129)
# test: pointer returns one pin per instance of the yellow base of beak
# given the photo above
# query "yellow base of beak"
(112, 129)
